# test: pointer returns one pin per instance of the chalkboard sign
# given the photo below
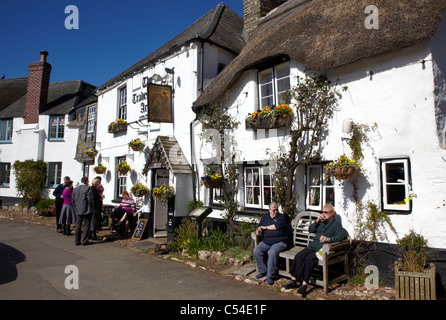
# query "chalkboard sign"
(139, 230)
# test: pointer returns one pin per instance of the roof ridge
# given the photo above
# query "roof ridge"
(213, 21)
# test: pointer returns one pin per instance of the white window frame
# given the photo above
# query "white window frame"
(59, 128)
(6, 130)
(325, 184)
(55, 174)
(121, 179)
(404, 183)
(251, 184)
(91, 119)
(122, 103)
(274, 97)
(5, 174)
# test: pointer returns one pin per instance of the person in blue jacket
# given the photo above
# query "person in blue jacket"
(328, 229)
(277, 233)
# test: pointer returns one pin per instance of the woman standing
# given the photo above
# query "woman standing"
(67, 215)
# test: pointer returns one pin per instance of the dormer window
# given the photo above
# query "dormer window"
(273, 85)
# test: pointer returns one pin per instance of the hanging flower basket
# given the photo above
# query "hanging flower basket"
(117, 126)
(139, 190)
(163, 193)
(123, 168)
(91, 153)
(342, 173)
(212, 179)
(343, 168)
(100, 169)
(136, 145)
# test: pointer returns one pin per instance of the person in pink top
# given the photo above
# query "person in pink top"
(67, 215)
(125, 212)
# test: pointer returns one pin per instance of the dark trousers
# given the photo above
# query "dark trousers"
(303, 265)
(83, 224)
(59, 205)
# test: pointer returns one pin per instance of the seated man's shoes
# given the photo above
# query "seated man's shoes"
(260, 275)
(270, 281)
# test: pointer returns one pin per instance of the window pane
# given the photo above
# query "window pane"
(330, 195)
(315, 196)
(315, 176)
(394, 171)
(396, 194)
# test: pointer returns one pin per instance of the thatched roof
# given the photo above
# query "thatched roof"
(221, 26)
(326, 34)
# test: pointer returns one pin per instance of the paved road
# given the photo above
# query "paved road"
(33, 261)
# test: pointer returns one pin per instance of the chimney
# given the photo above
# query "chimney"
(37, 91)
(254, 10)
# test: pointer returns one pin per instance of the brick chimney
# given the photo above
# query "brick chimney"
(37, 91)
(254, 10)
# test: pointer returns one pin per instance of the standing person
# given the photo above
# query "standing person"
(83, 206)
(328, 229)
(96, 216)
(100, 189)
(67, 215)
(57, 193)
(277, 233)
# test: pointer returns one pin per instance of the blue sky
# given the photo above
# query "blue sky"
(112, 35)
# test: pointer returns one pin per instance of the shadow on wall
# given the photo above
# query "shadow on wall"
(10, 257)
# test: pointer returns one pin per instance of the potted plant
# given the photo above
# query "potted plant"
(212, 179)
(117, 126)
(136, 145)
(100, 169)
(138, 190)
(163, 193)
(91, 153)
(123, 168)
(270, 117)
(343, 168)
(414, 280)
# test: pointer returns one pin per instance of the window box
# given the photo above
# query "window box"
(117, 126)
(267, 123)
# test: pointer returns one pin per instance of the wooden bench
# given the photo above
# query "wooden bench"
(333, 253)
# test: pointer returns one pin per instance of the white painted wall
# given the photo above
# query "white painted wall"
(399, 97)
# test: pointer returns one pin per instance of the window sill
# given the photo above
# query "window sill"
(56, 140)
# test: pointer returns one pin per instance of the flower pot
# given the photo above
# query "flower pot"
(268, 123)
(137, 147)
(216, 183)
(123, 171)
(139, 193)
(415, 285)
(345, 172)
(91, 154)
(99, 170)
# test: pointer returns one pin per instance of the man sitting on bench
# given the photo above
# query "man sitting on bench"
(277, 233)
(328, 229)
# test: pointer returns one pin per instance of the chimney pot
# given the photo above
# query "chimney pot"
(43, 55)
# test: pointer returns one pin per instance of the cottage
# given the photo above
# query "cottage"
(395, 79)
(151, 101)
(34, 125)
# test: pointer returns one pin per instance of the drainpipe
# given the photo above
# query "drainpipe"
(194, 187)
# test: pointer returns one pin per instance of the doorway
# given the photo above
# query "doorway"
(160, 210)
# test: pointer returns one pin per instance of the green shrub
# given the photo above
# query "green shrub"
(44, 205)
(30, 180)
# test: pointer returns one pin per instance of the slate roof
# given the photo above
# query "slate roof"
(325, 34)
(63, 97)
(221, 26)
(171, 155)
